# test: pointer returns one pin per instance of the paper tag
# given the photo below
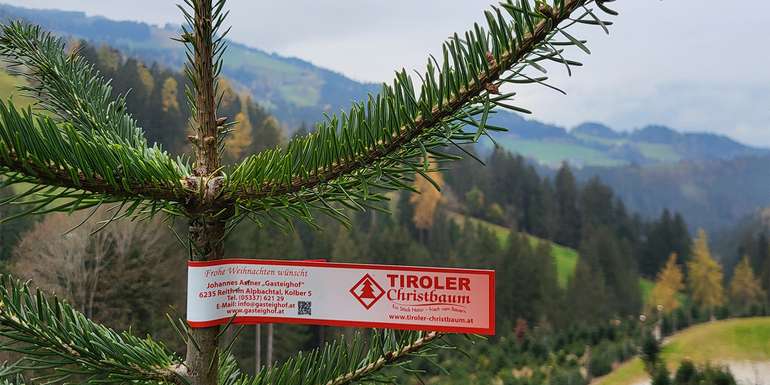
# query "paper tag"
(340, 294)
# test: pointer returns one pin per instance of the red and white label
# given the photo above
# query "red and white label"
(340, 294)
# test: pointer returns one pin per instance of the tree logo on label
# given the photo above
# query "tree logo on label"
(367, 291)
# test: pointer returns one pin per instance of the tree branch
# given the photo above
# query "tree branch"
(53, 335)
(424, 123)
(338, 362)
(386, 359)
(59, 177)
(92, 145)
(72, 169)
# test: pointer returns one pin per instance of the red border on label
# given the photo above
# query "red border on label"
(342, 323)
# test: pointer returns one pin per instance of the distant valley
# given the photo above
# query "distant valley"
(713, 194)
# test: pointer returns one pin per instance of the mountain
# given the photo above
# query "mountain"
(594, 144)
(297, 91)
(293, 90)
(712, 194)
(711, 179)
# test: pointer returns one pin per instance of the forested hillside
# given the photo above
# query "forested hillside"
(713, 194)
(156, 97)
(292, 89)
(750, 238)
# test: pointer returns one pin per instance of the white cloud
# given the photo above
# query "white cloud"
(691, 64)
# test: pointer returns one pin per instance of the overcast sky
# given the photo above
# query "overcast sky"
(695, 65)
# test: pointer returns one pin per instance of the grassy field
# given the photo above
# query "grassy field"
(8, 91)
(736, 340)
(554, 152)
(659, 152)
(654, 151)
(295, 84)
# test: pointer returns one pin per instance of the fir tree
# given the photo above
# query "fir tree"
(762, 261)
(665, 236)
(85, 150)
(587, 298)
(547, 283)
(611, 258)
(596, 204)
(517, 288)
(566, 192)
(681, 241)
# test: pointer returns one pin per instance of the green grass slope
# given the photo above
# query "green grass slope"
(657, 152)
(8, 91)
(746, 339)
(586, 150)
(553, 152)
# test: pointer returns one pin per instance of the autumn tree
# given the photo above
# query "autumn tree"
(241, 139)
(169, 95)
(80, 148)
(745, 287)
(475, 201)
(69, 265)
(668, 284)
(704, 275)
(427, 197)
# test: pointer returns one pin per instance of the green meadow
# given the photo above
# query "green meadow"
(745, 339)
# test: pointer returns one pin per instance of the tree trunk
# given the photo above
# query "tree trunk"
(203, 364)
(258, 349)
(210, 214)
